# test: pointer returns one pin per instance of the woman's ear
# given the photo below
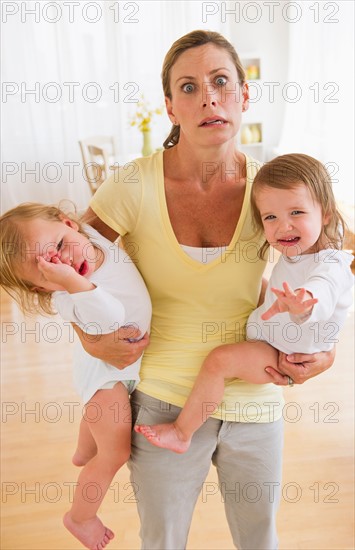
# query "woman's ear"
(169, 110)
(245, 97)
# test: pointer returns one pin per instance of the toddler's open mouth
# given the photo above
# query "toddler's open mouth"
(84, 268)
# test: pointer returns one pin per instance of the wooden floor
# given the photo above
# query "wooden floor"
(40, 416)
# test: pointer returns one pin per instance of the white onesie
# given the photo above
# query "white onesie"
(327, 276)
(120, 298)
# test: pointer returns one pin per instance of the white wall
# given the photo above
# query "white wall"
(130, 52)
(266, 38)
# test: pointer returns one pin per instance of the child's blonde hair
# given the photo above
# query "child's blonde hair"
(13, 252)
(289, 171)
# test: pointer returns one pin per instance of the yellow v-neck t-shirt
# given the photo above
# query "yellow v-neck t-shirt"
(197, 305)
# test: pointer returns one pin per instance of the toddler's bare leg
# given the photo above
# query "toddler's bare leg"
(246, 360)
(86, 448)
(110, 425)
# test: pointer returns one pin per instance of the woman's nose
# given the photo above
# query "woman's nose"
(209, 95)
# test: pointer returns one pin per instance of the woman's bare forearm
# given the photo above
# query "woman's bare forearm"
(114, 348)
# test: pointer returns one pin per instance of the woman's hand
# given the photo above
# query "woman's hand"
(114, 348)
(300, 367)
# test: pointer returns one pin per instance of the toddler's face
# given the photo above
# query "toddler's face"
(293, 222)
(60, 239)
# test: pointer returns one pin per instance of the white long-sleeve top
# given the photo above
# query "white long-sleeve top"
(120, 298)
(327, 276)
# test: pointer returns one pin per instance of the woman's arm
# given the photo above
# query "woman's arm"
(301, 367)
(114, 348)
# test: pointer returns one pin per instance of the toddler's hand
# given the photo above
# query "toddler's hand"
(55, 271)
(291, 302)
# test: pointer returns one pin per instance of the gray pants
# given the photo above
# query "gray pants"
(248, 458)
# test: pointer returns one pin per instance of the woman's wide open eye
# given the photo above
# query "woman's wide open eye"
(221, 80)
(188, 87)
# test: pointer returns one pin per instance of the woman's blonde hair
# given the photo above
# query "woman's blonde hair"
(193, 40)
(13, 252)
(289, 171)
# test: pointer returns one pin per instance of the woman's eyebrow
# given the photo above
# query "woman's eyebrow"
(183, 77)
(219, 69)
(187, 77)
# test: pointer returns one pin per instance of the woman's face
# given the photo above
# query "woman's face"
(207, 98)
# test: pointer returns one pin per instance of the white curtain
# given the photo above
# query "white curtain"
(87, 66)
(319, 95)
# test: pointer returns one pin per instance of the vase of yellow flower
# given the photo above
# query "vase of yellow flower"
(142, 120)
(147, 145)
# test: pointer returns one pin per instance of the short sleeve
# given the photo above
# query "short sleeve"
(117, 201)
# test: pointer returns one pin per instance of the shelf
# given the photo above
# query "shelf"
(251, 137)
(251, 133)
(252, 68)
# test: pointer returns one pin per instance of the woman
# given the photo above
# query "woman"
(184, 217)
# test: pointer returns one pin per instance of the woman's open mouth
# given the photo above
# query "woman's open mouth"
(209, 122)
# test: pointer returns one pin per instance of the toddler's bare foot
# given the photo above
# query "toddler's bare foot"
(91, 533)
(166, 436)
(80, 459)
